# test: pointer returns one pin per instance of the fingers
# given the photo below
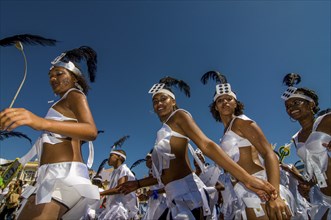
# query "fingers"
(8, 117)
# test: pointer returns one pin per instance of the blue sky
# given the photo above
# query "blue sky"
(253, 43)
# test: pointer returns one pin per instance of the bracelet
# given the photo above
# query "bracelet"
(155, 194)
(138, 184)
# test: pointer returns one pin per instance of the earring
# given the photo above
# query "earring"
(78, 86)
(312, 111)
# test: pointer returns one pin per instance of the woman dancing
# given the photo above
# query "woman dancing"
(241, 137)
(63, 189)
(187, 196)
(312, 142)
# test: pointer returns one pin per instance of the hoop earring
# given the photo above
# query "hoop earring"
(292, 120)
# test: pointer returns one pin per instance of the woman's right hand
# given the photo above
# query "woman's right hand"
(12, 118)
(262, 188)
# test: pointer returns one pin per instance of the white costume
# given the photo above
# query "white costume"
(186, 194)
(65, 182)
(315, 157)
(120, 206)
(155, 206)
(230, 143)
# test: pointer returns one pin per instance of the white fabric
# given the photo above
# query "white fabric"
(314, 155)
(155, 207)
(161, 154)
(53, 138)
(189, 193)
(249, 199)
(70, 174)
(120, 206)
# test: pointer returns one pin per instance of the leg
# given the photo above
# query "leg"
(51, 210)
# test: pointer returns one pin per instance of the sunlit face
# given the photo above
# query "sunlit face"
(298, 107)
(61, 80)
(225, 104)
(112, 160)
(163, 104)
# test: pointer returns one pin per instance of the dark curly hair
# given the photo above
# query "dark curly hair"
(311, 94)
(81, 80)
(238, 111)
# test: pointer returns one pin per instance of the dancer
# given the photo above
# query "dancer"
(119, 206)
(210, 175)
(311, 142)
(241, 134)
(63, 189)
(156, 205)
(185, 192)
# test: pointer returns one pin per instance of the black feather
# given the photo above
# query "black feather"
(170, 82)
(86, 53)
(101, 166)
(83, 142)
(7, 134)
(291, 79)
(120, 142)
(137, 163)
(27, 39)
(214, 75)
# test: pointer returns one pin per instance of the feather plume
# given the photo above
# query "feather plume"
(183, 86)
(101, 166)
(7, 134)
(99, 131)
(214, 75)
(291, 79)
(120, 142)
(86, 53)
(28, 39)
(137, 163)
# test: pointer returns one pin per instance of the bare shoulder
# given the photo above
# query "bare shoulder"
(325, 123)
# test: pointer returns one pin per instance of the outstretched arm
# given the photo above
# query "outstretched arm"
(214, 152)
(77, 104)
(131, 186)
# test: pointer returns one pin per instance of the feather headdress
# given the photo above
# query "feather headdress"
(27, 39)
(120, 142)
(18, 41)
(70, 58)
(290, 80)
(101, 167)
(165, 84)
(222, 87)
(136, 163)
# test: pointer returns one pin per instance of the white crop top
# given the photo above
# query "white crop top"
(313, 153)
(161, 154)
(231, 142)
(53, 138)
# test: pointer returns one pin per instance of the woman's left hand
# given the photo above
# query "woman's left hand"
(277, 209)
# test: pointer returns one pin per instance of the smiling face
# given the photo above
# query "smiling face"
(298, 108)
(163, 105)
(225, 105)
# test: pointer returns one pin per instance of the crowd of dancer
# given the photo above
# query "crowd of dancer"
(247, 180)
